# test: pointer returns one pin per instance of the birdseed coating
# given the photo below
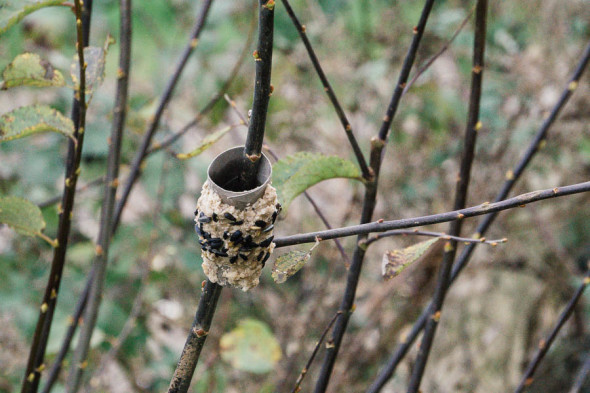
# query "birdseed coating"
(235, 243)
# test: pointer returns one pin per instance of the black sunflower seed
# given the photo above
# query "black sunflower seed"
(265, 259)
(225, 234)
(274, 216)
(233, 259)
(204, 219)
(198, 230)
(244, 257)
(219, 253)
(196, 212)
(214, 217)
(268, 228)
(260, 223)
(229, 216)
(237, 235)
(237, 222)
(215, 243)
(260, 255)
(266, 242)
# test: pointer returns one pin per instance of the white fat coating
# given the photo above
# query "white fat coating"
(243, 274)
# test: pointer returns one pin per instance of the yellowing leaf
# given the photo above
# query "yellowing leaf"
(296, 173)
(394, 262)
(94, 57)
(290, 263)
(12, 11)
(206, 143)
(28, 69)
(251, 347)
(34, 119)
(22, 216)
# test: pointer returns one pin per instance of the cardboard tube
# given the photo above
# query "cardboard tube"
(223, 174)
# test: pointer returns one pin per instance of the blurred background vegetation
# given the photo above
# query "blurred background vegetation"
(495, 314)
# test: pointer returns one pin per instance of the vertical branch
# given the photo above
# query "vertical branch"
(512, 177)
(137, 162)
(262, 93)
(110, 189)
(35, 363)
(473, 125)
(370, 198)
(196, 338)
(367, 173)
(545, 344)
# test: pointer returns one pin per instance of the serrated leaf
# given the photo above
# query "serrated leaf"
(28, 69)
(34, 119)
(12, 11)
(296, 173)
(394, 262)
(94, 57)
(290, 263)
(22, 216)
(251, 347)
(206, 143)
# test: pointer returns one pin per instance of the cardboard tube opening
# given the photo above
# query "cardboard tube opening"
(223, 175)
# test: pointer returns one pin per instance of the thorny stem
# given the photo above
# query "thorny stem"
(35, 363)
(196, 338)
(477, 210)
(377, 146)
(104, 236)
(545, 344)
(473, 125)
(262, 93)
(137, 162)
(511, 178)
(314, 353)
(366, 171)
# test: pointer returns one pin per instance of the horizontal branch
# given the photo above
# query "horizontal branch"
(442, 235)
(484, 208)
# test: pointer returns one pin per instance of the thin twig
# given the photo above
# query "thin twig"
(314, 353)
(35, 363)
(154, 123)
(580, 379)
(473, 126)
(366, 171)
(422, 69)
(230, 79)
(477, 210)
(196, 338)
(82, 188)
(104, 236)
(441, 235)
(262, 93)
(511, 177)
(370, 198)
(545, 344)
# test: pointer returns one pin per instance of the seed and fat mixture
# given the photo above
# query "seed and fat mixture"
(236, 243)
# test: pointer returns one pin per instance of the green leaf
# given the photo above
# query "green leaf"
(206, 143)
(251, 347)
(28, 69)
(94, 57)
(394, 262)
(296, 173)
(34, 119)
(22, 216)
(290, 263)
(12, 11)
